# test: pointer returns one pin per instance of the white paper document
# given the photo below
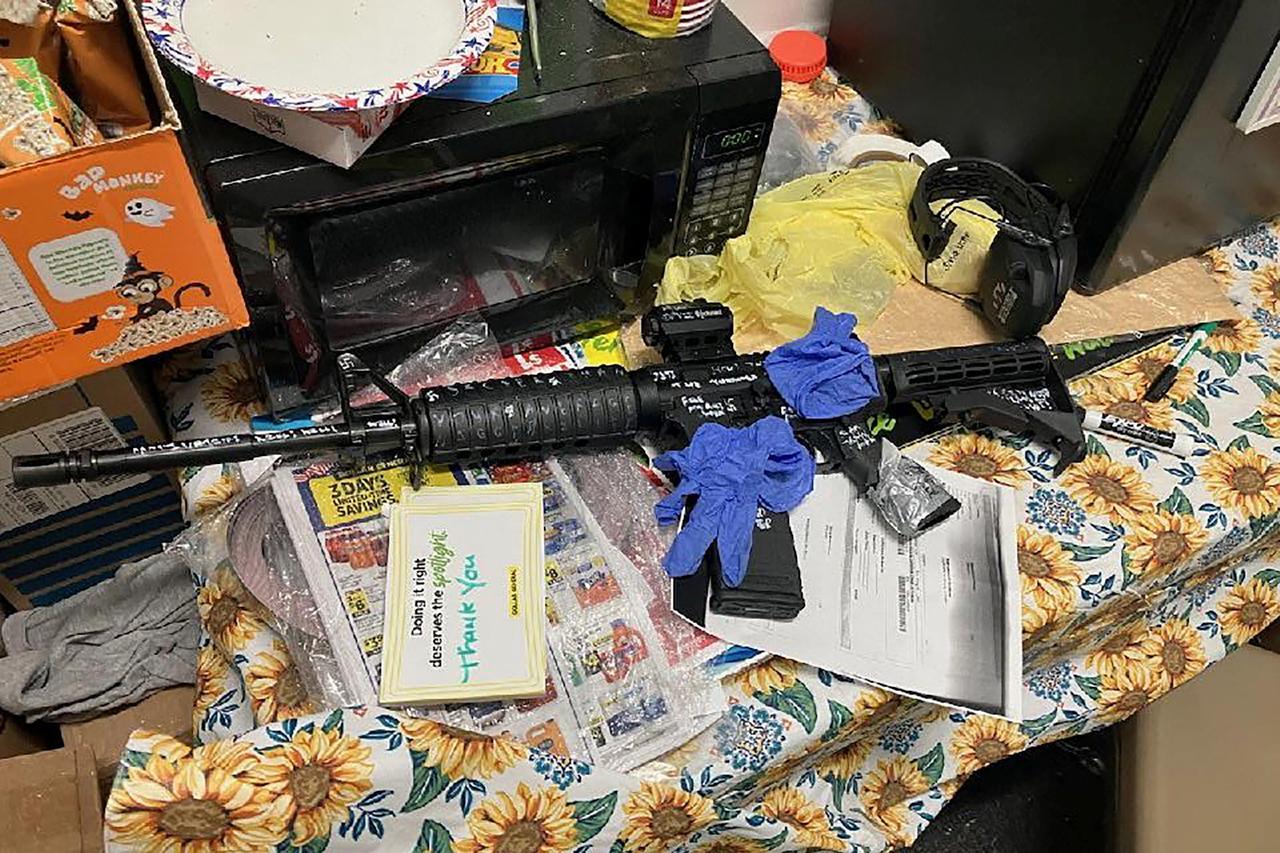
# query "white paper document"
(937, 616)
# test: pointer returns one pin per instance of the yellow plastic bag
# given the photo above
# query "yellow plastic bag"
(840, 240)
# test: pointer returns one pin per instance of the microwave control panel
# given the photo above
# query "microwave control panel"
(725, 171)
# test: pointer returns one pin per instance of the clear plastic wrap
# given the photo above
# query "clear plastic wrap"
(790, 154)
(621, 490)
(263, 556)
(263, 562)
(466, 351)
(662, 693)
(814, 120)
(910, 498)
(625, 684)
(247, 538)
(389, 296)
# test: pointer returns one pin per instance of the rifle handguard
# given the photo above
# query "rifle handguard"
(527, 416)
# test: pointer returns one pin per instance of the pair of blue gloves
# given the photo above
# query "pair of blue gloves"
(825, 374)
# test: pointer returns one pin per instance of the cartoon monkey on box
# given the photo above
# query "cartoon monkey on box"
(142, 287)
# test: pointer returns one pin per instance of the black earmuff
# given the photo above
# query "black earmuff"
(1032, 260)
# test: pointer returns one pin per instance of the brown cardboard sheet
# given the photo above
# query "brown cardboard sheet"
(166, 712)
(1269, 639)
(1199, 768)
(49, 803)
(18, 738)
(1180, 294)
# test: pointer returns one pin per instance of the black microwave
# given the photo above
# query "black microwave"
(555, 206)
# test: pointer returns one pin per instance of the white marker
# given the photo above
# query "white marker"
(1136, 433)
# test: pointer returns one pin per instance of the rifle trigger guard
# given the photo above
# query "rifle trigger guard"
(825, 447)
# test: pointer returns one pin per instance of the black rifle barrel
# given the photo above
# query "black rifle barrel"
(493, 421)
(52, 469)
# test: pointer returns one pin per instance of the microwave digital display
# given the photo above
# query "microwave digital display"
(733, 141)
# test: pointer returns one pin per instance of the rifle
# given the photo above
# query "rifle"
(1013, 386)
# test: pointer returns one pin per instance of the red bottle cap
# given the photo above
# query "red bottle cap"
(800, 54)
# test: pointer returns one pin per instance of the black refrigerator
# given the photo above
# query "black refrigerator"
(1128, 110)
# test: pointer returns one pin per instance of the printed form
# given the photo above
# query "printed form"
(938, 616)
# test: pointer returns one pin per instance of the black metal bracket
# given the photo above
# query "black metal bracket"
(351, 371)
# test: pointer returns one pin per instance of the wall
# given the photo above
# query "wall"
(767, 17)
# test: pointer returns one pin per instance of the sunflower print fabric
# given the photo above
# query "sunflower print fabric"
(1138, 572)
(826, 112)
(208, 389)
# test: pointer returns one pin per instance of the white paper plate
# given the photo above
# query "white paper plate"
(322, 55)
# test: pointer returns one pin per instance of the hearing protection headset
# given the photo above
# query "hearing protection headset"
(1032, 260)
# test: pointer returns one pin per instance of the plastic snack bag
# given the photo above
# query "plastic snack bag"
(37, 119)
(101, 62)
(27, 30)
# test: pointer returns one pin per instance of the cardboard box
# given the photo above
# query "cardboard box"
(49, 803)
(339, 138)
(167, 712)
(1269, 639)
(1199, 768)
(80, 233)
(18, 738)
(57, 541)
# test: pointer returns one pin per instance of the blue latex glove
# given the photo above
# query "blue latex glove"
(827, 373)
(732, 471)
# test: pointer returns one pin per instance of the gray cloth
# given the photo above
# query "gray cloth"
(103, 648)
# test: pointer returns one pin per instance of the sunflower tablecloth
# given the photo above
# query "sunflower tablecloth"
(208, 389)
(1138, 571)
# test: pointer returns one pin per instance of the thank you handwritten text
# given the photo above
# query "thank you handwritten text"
(468, 657)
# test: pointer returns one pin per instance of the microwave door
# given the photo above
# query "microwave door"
(383, 270)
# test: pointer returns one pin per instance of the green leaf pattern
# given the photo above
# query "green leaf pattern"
(795, 701)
